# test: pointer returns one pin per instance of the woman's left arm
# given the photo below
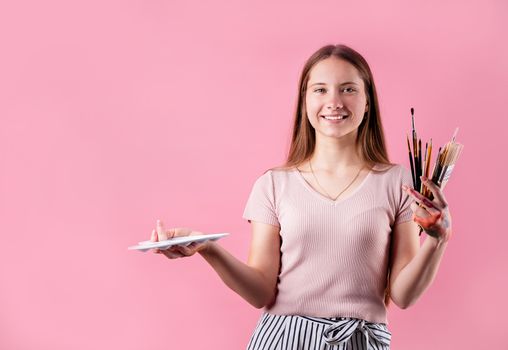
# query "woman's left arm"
(413, 267)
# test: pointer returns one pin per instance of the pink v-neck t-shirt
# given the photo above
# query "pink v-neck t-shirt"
(334, 254)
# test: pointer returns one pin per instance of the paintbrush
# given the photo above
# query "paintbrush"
(411, 162)
(415, 150)
(420, 165)
(451, 155)
(426, 167)
(446, 159)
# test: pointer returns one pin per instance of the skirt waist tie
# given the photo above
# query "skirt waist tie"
(340, 332)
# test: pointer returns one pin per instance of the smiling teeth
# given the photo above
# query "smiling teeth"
(335, 118)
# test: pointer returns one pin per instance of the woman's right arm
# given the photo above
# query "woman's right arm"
(256, 280)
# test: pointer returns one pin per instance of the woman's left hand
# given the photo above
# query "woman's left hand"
(433, 216)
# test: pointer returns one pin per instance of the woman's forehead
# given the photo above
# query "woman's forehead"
(333, 70)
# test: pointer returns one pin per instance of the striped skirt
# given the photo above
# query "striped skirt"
(293, 332)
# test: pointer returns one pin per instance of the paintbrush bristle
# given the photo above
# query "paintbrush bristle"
(455, 134)
(413, 118)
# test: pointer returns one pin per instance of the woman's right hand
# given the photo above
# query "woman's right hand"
(176, 251)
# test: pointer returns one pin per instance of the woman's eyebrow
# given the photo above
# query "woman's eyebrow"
(347, 82)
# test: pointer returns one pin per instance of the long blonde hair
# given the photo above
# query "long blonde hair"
(370, 136)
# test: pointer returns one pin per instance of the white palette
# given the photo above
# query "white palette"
(185, 241)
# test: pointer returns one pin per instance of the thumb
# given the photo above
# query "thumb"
(161, 233)
(153, 237)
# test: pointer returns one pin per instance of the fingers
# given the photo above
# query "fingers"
(171, 233)
(423, 216)
(179, 251)
(430, 206)
(186, 251)
(154, 237)
(170, 252)
(432, 216)
(173, 252)
(418, 210)
(179, 232)
(161, 233)
(436, 191)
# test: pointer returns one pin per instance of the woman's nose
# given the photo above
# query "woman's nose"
(334, 102)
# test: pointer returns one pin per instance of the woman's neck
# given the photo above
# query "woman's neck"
(334, 155)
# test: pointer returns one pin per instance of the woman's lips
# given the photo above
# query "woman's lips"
(335, 118)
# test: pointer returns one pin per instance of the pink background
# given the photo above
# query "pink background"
(116, 113)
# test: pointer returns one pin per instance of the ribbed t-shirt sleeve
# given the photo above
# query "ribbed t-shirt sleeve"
(403, 212)
(261, 204)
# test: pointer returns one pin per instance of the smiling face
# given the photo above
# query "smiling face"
(335, 98)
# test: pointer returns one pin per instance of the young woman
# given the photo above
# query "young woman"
(334, 230)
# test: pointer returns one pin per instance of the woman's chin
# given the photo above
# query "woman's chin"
(338, 134)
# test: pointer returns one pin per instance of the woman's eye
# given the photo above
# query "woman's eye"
(349, 89)
(346, 90)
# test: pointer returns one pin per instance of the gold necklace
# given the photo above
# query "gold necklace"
(341, 192)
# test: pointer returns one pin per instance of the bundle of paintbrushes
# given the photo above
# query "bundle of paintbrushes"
(446, 159)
